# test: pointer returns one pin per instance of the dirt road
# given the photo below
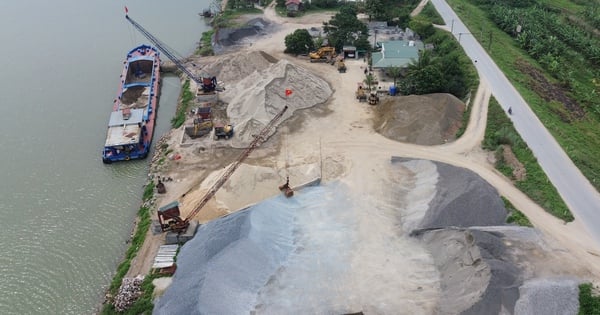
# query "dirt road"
(347, 144)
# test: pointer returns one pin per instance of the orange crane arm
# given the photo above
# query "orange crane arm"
(262, 136)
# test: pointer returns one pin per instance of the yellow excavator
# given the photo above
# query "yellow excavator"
(323, 54)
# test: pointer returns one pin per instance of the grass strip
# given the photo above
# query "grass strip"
(536, 185)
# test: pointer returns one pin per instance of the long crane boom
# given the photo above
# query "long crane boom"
(179, 225)
(207, 85)
(258, 139)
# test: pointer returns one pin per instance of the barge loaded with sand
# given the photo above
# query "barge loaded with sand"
(131, 123)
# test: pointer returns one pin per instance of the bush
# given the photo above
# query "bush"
(588, 303)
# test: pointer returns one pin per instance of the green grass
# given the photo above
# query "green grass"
(430, 12)
(228, 17)
(206, 44)
(136, 243)
(148, 191)
(143, 305)
(536, 184)
(186, 98)
(578, 137)
(588, 303)
(515, 216)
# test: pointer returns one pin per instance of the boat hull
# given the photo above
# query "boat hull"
(132, 120)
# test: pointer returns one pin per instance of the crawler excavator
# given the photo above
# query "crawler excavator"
(169, 215)
(323, 54)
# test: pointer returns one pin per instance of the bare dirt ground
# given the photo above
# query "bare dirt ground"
(343, 137)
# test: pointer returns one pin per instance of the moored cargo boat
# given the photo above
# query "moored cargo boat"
(131, 123)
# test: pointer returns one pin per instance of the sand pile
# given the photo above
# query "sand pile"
(256, 99)
(237, 66)
(419, 119)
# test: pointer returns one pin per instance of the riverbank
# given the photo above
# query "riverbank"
(338, 132)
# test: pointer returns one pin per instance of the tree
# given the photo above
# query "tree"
(299, 42)
(376, 9)
(369, 80)
(422, 26)
(345, 28)
(394, 72)
(423, 76)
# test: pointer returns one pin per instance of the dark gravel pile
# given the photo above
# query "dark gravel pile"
(463, 199)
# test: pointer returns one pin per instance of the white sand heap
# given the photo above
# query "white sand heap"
(235, 67)
(256, 99)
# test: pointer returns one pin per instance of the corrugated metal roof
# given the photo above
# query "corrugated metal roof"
(165, 256)
(397, 53)
(116, 118)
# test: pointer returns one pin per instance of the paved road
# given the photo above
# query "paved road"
(580, 196)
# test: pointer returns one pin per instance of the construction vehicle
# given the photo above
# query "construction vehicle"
(361, 94)
(341, 66)
(169, 216)
(223, 131)
(208, 83)
(373, 98)
(286, 189)
(201, 127)
(323, 54)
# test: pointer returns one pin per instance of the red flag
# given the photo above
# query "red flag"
(126, 10)
(288, 92)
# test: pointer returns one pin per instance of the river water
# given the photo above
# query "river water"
(66, 217)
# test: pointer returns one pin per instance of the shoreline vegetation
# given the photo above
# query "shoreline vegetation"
(498, 132)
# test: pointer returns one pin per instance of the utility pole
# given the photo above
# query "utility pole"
(452, 27)
(375, 40)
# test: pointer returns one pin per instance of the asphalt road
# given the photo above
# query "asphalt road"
(580, 196)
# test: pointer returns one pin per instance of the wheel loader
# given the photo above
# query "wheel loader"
(341, 66)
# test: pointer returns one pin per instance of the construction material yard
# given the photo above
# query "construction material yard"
(389, 229)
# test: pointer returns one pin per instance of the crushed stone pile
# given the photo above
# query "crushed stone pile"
(256, 99)
(548, 296)
(474, 273)
(273, 257)
(420, 119)
(460, 197)
(463, 199)
(225, 38)
(482, 266)
(129, 291)
(305, 255)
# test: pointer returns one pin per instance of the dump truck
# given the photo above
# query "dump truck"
(223, 131)
(373, 98)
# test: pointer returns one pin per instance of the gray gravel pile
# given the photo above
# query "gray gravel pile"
(228, 261)
(463, 199)
(548, 296)
(474, 275)
(227, 37)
